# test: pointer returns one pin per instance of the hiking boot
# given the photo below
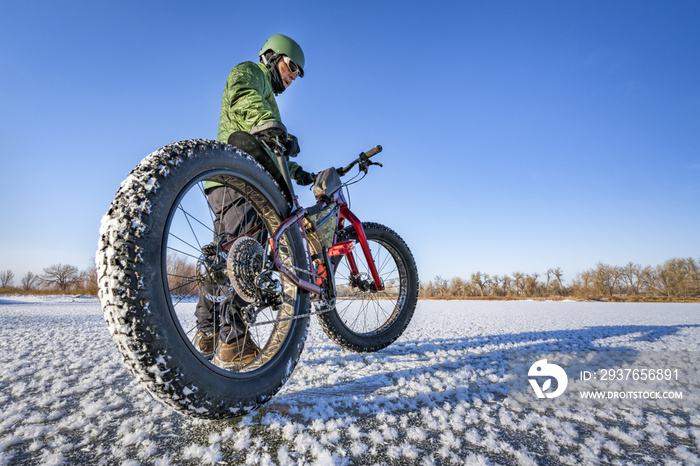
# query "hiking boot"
(204, 343)
(237, 354)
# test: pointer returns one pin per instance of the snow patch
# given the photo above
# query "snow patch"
(436, 396)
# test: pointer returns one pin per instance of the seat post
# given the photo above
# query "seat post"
(282, 162)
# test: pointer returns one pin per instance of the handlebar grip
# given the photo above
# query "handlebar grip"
(373, 151)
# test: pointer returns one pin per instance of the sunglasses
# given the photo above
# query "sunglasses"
(293, 67)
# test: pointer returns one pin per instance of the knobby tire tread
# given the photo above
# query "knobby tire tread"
(126, 293)
(330, 321)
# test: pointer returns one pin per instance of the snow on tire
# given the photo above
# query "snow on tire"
(142, 239)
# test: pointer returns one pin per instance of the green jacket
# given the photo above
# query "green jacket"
(249, 101)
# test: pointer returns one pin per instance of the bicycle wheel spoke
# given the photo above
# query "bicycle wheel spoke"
(231, 210)
(189, 216)
(362, 310)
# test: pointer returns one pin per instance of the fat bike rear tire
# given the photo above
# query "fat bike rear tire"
(149, 264)
(364, 320)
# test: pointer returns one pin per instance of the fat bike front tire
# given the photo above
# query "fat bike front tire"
(150, 271)
(364, 320)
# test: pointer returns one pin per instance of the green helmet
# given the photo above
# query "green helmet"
(283, 45)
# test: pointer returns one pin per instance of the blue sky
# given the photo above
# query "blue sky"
(518, 136)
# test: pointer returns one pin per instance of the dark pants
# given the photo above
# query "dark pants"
(233, 217)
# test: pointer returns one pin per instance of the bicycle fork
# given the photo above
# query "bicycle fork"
(346, 214)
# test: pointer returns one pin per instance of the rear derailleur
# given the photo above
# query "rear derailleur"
(270, 293)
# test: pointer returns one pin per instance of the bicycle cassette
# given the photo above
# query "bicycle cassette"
(245, 261)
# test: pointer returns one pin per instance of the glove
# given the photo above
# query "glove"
(304, 178)
(291, 146)
(269, 132)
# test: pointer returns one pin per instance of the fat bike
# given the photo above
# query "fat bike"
(158, 253)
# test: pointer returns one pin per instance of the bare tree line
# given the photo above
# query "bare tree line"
(68, 279)
(674, 279)
(58, 278)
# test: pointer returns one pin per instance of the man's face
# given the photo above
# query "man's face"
(287, 76)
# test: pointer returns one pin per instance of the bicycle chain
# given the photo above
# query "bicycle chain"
(289, 301)
(284, 319)
(300, 271)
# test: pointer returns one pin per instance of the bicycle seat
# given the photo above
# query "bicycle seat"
(270, 129)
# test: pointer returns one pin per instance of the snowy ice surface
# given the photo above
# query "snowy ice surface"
(439, 395)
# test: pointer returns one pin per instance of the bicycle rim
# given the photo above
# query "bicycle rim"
(188, 274)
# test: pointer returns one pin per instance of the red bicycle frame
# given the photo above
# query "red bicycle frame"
(343, 248)
(298, 214)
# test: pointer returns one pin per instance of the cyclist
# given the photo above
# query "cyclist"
(248, 102)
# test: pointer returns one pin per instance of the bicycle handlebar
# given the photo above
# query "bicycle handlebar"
(373, 151)
(363, 160)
